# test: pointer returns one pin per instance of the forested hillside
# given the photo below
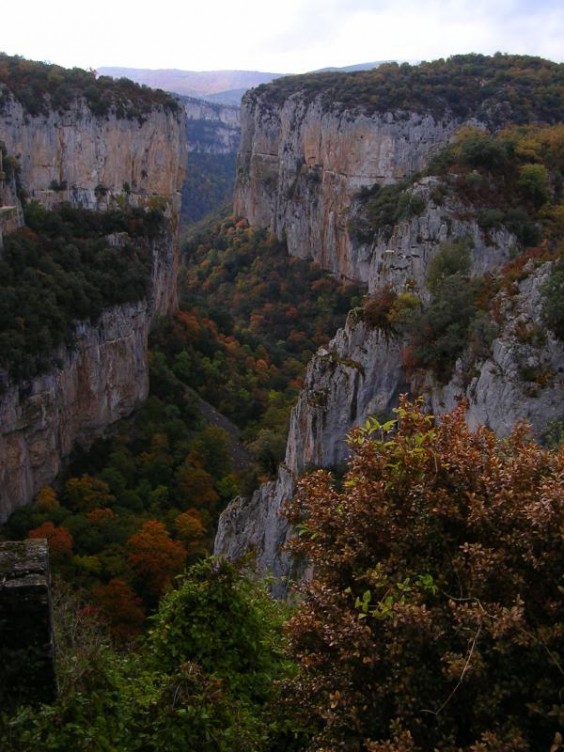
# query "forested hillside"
(126, 517)
(494, 90)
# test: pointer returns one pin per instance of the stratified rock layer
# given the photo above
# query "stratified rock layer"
(300, 166)
(97, 163)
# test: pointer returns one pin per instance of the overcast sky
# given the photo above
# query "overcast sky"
(291, 36)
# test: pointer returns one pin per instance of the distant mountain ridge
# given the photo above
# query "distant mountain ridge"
(221, 86)
(225, 86)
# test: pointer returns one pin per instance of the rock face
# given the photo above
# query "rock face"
(299, 173)
(301, 165)
(101, 381)
(97, 163)
(522, 379)
(255, 526)
(401, 257)
(88, 160)
(212, 128)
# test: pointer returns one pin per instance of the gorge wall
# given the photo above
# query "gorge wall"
(301, 168)
(301, 164)
(212, 128)
(90, 160)
(214, 133)
(97, 162)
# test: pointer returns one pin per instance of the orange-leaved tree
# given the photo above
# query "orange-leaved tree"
(155, 558)
(434, 617)
(58, 538)
(121, 607)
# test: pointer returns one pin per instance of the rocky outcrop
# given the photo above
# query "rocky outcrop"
(522, 379)
(401, 257)
(93, 160)
(255, 527)
(212, 128)
(300, 166)
(97, 163)
(102, 380)
(358, 374)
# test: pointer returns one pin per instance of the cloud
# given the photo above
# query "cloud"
(293, 36)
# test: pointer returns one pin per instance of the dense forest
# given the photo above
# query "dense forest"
(495, 90)
(40, 87)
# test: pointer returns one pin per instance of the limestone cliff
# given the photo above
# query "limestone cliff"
(97, 162)
(92, 160)
(101, 381)
(304, 161)
(300, 166)
(212, 128)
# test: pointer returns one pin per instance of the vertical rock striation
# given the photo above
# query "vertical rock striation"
(301, 164)
(300, 170)
(91, 160)
(97, 163)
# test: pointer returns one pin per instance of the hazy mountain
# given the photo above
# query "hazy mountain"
(225, 86)
(222, 86)
(361, 66)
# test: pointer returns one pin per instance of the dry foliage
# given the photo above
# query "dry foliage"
(434, 618)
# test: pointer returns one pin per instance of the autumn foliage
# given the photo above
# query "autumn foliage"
(122, 608)
(58, 538)
(155, 557)
(434, 617)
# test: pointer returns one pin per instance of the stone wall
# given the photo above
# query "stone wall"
(27, 652)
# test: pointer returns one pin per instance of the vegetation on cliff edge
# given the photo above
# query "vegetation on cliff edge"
(62, 268)
(495, 90)
(42, 87)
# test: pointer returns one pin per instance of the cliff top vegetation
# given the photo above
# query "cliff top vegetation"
(41, 87)
(495, 90)
(511, 179)
(61, 268)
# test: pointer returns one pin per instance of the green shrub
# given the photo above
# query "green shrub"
(553, 300)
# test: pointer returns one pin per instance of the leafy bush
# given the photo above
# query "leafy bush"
(202, 680)
(439, 333)
(384, 206)
(451, 259)
(553, 300)
(433, 619)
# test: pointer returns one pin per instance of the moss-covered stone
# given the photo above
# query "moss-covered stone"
(27, 665)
